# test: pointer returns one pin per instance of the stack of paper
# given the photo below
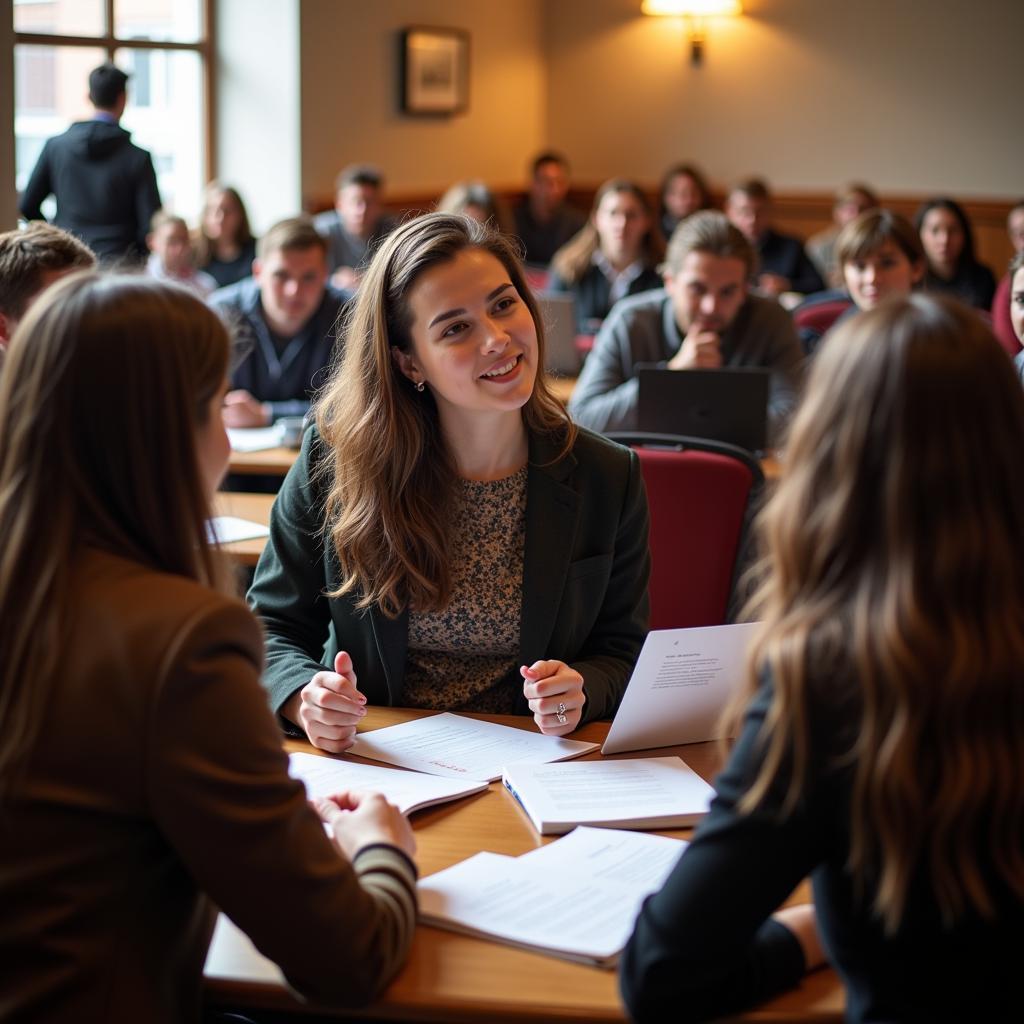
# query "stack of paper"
(255, 439)
(462, 748)
(229, 529)
(654, 792)
(576, 898)
(408, 791)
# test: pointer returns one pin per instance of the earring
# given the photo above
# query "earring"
(420, 385)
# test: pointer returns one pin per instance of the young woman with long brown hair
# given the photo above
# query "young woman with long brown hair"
(883, 736)
(447, 533)
(142, 780)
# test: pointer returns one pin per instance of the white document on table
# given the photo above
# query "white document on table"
(576, 898)
(255, 439)
(228, 529)
(681, 684)
(638, 793)
(408, 791)
(462, 748)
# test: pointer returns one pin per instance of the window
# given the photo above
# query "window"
(164, 45)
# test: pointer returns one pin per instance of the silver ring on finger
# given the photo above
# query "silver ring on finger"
(561, 718)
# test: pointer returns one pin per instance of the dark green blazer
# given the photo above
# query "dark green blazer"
(585, 571)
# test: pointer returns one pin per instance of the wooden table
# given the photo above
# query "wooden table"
(255, 508)
(268, 462)
(455, 978)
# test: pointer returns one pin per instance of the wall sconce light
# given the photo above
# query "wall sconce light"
(694, 11)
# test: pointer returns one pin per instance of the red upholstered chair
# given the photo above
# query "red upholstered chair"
(700, 493)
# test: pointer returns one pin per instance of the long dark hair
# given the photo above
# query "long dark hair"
(894, 589)
(106, 381)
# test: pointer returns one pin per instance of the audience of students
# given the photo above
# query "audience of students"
(684, 190)
(948, 243)
(1001, 323)
(283, 319)
(851, 201)
(104, 185)
(544, 221)
(31, 259)
(142, 780)
(879, 747)
(447, 531)
(783, 265)
(476, 200)
(171, 257)
(617, 253)
(703, 317)
(224, 244)
(356, 225)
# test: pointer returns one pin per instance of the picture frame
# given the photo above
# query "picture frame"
(435, 71)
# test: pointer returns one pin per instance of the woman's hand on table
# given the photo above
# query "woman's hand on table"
(554, 692)
(365, 819)
(329, 707)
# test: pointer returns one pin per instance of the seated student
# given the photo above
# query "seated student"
(356, 225)
(1017, 305)
(447, 531)
(142, 780)
(684, 190)
(476, 200)
(704, 317)
(171, 257)
(879, 749)
(544, 221)
(948, 243)
(31, 259)
(224, 243)
(283, 316)
(782, 262)
(617, 253)
(783, 265)
(850, 202)
(881, 258)
(1002, 326)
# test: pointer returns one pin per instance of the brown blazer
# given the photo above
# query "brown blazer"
(158, 787)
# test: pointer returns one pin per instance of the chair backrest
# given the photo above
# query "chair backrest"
(700, 494)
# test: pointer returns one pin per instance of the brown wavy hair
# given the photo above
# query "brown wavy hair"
(895, 589)
(570, 263)
(391, 477)
(106, 382)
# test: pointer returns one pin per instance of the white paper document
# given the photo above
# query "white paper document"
(682, 682)
(576, 898)
(408, 791)
(462, 748)
(255, 439)
(654, 792)
(228, 529)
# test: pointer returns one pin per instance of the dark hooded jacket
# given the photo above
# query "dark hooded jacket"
(105, 188)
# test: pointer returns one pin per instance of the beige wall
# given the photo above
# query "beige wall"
(350, 106)
(911, 95)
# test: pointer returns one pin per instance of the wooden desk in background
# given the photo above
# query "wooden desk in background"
(277, 461)
(255, 508)
(453, 978)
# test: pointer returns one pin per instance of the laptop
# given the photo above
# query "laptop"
(729, 404)
(558, 315)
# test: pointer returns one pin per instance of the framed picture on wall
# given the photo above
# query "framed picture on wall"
(435, 71)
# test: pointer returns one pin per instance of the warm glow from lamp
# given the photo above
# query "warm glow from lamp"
(693, 8)
(695, 11)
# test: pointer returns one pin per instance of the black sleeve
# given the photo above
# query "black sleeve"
(288, 588)
(147, 201)
(705, 945)
(38, 188)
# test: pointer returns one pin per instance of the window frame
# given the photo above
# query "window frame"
(110, 43)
